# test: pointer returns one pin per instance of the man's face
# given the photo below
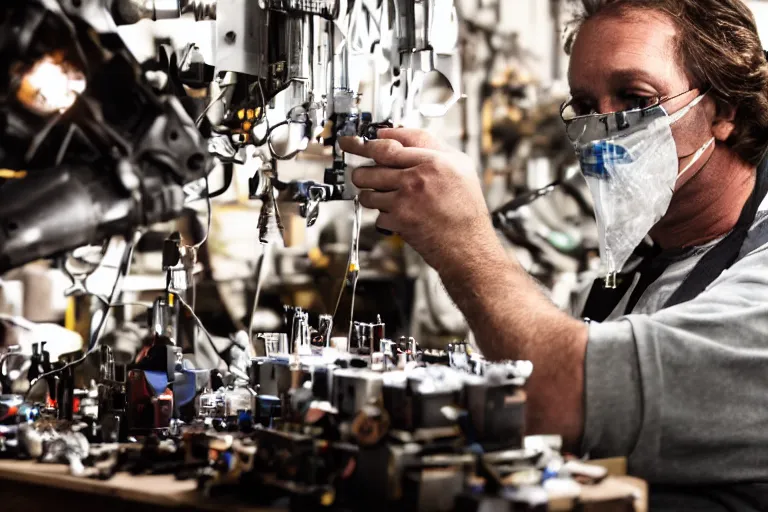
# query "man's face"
(625, 61)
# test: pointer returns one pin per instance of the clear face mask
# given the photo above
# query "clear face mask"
(630, 163)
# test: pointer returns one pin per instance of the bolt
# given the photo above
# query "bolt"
(230, 37)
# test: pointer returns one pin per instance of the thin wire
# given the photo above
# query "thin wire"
(234, 370)
(65, 145)
(210, 215)
(197, 246)
(346, 271)
(263, 112)
(127, 257)
(267, 139)
(352, 309)
(260, 274)
(274, 154)
(354, 264)
(125, 266)
(211, 104)
(41, 137)
(104, 301)
(123, 304)
(343, 284)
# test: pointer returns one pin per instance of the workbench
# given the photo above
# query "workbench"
(29, 486)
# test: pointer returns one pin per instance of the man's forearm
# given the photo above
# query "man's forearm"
(512, 319)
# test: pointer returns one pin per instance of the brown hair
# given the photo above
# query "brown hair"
(719, 45)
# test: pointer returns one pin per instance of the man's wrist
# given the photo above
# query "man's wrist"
(475, 253)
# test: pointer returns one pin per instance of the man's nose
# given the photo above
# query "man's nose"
(608, 105)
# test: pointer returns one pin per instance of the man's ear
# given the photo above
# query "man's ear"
(724, 122)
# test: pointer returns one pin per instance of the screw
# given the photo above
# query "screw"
(230, 37)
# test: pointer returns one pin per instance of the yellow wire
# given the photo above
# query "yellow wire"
(10, 174)
(70, 319)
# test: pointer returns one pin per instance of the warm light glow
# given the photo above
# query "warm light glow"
(50, 86)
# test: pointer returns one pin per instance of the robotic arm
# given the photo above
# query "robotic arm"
(97, 151)
(94, 150)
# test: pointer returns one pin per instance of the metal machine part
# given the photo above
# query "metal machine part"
(300, 339)
(325, 329)
(13, 366)
(274, 377)
(111, 390)
(163, 318)
(241, 38)
(10, 419)
(354, 388)
(133, 11)
(417, 398)
(497, 412)
(412, 20)
(127, 164)
(226, 405)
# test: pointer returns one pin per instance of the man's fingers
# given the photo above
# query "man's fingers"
(413, 138)
(386, 152)
(382, 201)
(377, 178)
(354, 145)
(386, 224)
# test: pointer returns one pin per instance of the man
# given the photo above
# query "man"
(675, 377)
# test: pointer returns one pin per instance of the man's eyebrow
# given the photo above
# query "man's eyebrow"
(619, 78)
(579, 92)
(622, 76)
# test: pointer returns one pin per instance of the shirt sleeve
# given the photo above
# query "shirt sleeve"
(683, 393)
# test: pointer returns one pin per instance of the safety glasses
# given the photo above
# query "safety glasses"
(591, 127)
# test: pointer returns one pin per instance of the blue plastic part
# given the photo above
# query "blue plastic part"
(597, 159)
(185, 388)
(547, 474)
(158, 381)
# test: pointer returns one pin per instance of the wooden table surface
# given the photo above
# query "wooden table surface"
(164, 492)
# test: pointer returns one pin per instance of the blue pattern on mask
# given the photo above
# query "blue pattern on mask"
(599, 157)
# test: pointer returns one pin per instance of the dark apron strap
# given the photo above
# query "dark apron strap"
(724, 254)
(602, 301)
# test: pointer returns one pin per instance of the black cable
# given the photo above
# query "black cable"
(212, 103)
(267, 139)
(229, 173)
(262, 114)
(289, 156)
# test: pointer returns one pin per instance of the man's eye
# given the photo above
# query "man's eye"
(581, 108)
(633, 101)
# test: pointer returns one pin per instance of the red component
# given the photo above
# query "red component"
(146, 411)
(163, 404)
(12, 411)
(143, 353)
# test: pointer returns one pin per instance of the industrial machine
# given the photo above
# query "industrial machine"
(95, 145)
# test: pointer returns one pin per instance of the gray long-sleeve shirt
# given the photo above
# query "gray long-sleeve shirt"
(683, 391)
